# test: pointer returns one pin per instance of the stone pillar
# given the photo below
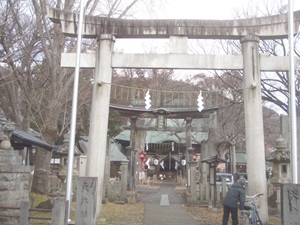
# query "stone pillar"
(132, 177)
(189, 172)
(129, 156)
(298, 153)
(290, 202)
(278, 200)
(204, 190)
(24, 213)
(188, 144)
(86, 204)
(99, 114)
(124, 175)
(256, 168)
(193, 188)
(188, 132)
(58, 211)
(106, 186)
(233, 159)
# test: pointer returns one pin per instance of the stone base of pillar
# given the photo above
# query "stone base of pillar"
(278, 202)
(131, 196)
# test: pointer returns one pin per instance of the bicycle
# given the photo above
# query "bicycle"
(251, 215)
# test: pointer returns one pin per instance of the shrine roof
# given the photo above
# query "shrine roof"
(21, 139)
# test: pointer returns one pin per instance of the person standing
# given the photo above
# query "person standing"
(235, 197)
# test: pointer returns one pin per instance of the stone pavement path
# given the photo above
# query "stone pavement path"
(164, 205)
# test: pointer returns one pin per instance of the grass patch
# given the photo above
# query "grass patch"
(121, 214)
(37, 199)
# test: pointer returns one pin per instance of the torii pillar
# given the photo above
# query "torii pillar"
(256, 167)
(99, 114)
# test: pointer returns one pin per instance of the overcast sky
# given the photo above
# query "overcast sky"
(214, 9)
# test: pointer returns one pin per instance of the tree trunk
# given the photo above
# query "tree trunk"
(40, 183)
(41, 172)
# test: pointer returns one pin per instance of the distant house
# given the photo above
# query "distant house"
(116, 154)
(241, 163)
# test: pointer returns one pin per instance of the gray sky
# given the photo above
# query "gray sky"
(217, 9)
(214, 9)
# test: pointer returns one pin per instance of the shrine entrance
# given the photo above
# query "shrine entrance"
(248, 31)
(168, 148)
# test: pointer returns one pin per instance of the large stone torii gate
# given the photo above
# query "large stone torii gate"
(248, 31)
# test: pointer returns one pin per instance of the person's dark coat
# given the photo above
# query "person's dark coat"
(235, 194)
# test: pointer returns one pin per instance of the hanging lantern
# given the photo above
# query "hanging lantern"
(195, 157)
(142, 156)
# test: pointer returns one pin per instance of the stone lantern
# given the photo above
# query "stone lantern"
(63, 152)
(281, 168)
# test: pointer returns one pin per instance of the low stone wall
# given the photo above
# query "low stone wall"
(15, 182)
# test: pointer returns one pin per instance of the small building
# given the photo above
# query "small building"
(116, 154)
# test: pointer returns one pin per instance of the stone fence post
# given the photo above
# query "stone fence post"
(193, 183)
(86, 201)
(290, 201)
(24, 213)
(58, 211)
(124, 175)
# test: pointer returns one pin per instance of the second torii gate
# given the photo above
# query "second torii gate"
(248, 31)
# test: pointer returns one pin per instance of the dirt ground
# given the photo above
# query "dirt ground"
(208, 216)
(122, 214)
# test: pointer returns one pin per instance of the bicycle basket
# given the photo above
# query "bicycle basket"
(248, 204)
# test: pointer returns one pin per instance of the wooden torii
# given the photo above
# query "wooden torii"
(248, 31)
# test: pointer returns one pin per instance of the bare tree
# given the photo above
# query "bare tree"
(274, 85)
(35, 90)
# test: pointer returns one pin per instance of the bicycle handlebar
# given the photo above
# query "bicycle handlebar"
(254, 196)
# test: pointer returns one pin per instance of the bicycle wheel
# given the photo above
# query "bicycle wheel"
(244, 219)
(257, 219)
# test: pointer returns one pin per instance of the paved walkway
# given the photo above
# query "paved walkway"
(164, 205)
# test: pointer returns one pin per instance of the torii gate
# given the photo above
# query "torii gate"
(248, 31)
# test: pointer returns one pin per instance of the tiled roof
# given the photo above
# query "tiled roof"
(157, 137)
(20, 137)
